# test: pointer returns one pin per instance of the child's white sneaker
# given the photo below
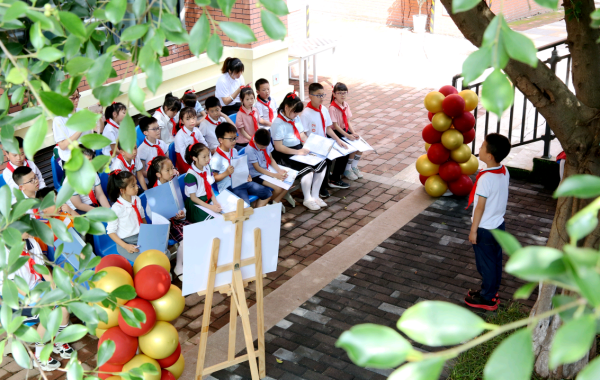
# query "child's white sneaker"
(320, 202)
(311, 205)
(357, 172)
(63, 349)
(350, 175)
(47, 366)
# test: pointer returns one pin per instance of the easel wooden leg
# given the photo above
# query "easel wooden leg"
(260, 315)
(238, 287)
(233, 313)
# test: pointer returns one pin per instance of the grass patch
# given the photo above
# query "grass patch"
(469, 365)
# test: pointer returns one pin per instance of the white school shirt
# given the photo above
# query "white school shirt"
(24, 272)
(121, 164)
(166, 127)
(111, 131)
(219, 164)
(147, 151)
(283, 131)
(184, 139)
(494, 187)
(7, 175)
(263, 111)
(208, 131)
(126, 223)
(85, 198)
(194, 184)
(311, 120)
(61, 133)
(226, 86)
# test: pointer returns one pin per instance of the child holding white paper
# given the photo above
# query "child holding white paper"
(340, 115)
(260, 160)
(198, 184)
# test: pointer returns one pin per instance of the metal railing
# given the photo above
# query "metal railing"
(527, 131)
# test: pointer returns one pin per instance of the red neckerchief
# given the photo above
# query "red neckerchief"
(159, 151)
(172, 120)
(92, 196)
(291, 122)
(156, 183)
(192, 135)
(254, 117)
(343, 111)
(321, 114)
(212, 122)
(12, 168)
(222, 154)
(268, 105)
(500, 170)
(561, 156)
(114, 125)
(137, 212)
(30, 264)
(207, 186)
(129, 168)
(267, 158)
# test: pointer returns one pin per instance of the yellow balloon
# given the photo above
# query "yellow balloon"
(113, 318)
(151, 257)
(138, 361)
(100, 332)
(114, 378)
(433, 101)
(471, 99)
(159, 342)
(452, 139)
(461, 154)
(114, 278)
(169, 306)
(177, 368)
(427, 147)
(441, 122)
(435, 186)
(426, 167)
(470, 167)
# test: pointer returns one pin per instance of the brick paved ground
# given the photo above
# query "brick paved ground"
(428, 259)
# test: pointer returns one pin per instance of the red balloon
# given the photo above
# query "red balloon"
(430, 115)
(462, 186)
(448, 90)
(125, 345)
(438, 154)
(450, 171)
(430, 135)
(422, 178)
(464, 122)
(148, 309)
(469, 136)
(170, 360)
(166, 375)
(109, 368)
(152, 282)
(115, 260)
(453, 105)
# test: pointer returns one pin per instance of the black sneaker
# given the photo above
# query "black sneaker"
(324, 193)
(481, 303)
(338, 184)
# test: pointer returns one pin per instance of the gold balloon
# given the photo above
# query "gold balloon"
(138, 361)
(452, 139)
(114, 378)
(161, 341)
(177, 368)
(435, 186)
(114, 278)
(100, 332)
(426, 167)
(151, 257)
(471, 99)
(461, 154)
(169, 306)
(441, 122)
(113, 318)
(427, 147)
(470, 167)
(433, 101)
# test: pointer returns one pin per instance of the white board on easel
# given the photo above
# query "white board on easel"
(197, 243)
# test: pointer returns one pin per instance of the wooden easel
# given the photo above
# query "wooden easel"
(238, 301)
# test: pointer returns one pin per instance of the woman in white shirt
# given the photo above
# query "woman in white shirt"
(229, 85)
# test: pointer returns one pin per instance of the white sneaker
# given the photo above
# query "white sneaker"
(357, 172)
(50, 365)
(320, 202)
(63, 349)
(350, 175)
(311, 205)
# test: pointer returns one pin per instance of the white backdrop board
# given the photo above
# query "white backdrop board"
(198, 241)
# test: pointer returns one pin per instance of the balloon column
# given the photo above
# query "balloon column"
(156, 341)
(448, 161)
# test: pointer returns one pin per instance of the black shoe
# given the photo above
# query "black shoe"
(338, 184)
(324, 193)
(481, 303)
(472, 293)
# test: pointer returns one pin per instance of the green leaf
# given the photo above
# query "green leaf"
(525, 291)
(76, 160)
(580, 186)
(74, 368)
(238, 32)
(171, 23)
(16, 76)
(79, 65)
(42, 269)
(72, 334)
(94, 141)
(20, 355)
(60, 230)
(497, 93)
(62, 280)
(126, 292)
(40, 19)
(153, 76)
(199, 36)
(139, 315)
(9, 143)
(106, 351)
(115, 10)
(149, 368)
(12, 236)
(512, 359)
(17, 264)
(94, 295)
(28, 334)
(591, 371)
(16, 10)
(101, 214)
(99, 161)
(48, 201)
(134, 32)
(5, 199)
(376, 346)
(72, 45)
(508, 242)
(37, 39)
(84, 312)
(35, 137)
(73, 24)
(273, 26)
(81, 225)
(278, 7)
(100, 70)
(18, 95)
(53, 296)
(50, 54)
(21, 207)
(226, 6)
(437, 323)
(422, 370)
(139, 7)
(127, 134)
(463, 5)
(106, 94)
(476, 63)
(65, 193)
(202, 3)
(552, 4)
(178, 38)
(584, 221)
(10, 294)
(54, 321)
(4, 102)
(572, 341)
(215, 48)
(536, 263)
(129, 317)
(46, 351)
(83, 121)
(15, 324)
(137, 96)
(97, 228)
(518, 46)
(56, 103)
(82, 180)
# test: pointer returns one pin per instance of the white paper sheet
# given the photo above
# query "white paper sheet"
(310, 159)
(241, 172)
(228, 202)
(159, 219)
(287, 182)
(210, 212)
(338, 151)
(318, 145)
(361, 145)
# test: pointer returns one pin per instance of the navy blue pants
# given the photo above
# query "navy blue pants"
(488, 257)
(251, 188)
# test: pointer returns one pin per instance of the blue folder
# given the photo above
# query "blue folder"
(153, 236)
(71, 250)
(165, 199)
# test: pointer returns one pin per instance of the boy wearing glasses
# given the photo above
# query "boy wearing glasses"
(17, 160)
(152, 146)
(316, 119)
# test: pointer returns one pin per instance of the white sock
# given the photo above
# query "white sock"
(179, 260)
(305, 183)
(349, 164)
(355, 161)
(316, 184)
(38, 349)
(60, 329)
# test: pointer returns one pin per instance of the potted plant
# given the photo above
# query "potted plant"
(419, 21)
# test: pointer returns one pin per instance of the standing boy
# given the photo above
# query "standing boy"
(17, 160)
(490, 195)
(267, 108)
(213, 118)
